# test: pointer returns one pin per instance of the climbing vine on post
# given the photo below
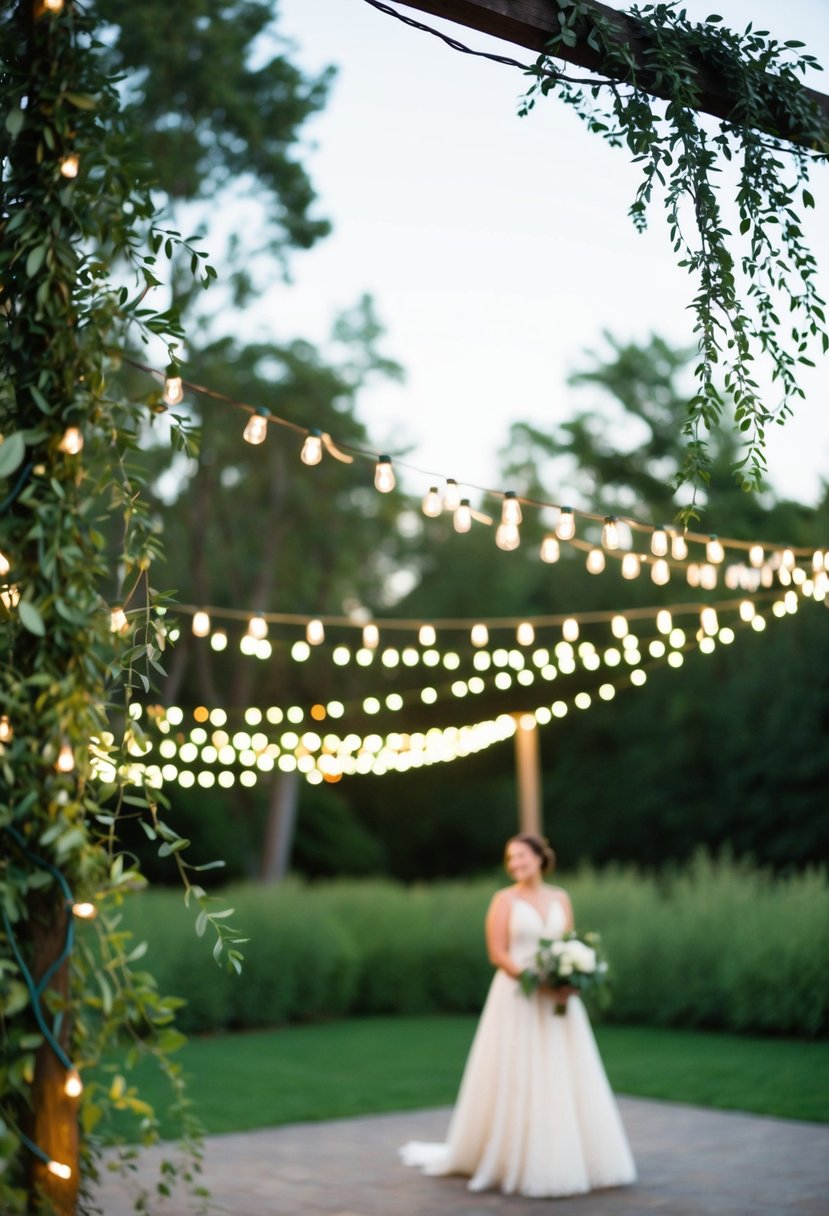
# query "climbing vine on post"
(78, 251)
(755, 294)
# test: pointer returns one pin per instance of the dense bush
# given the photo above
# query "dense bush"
(716, 945)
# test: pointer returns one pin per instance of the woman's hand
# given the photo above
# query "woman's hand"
(560, 993)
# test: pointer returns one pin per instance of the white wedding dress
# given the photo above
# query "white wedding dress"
(535, 1113)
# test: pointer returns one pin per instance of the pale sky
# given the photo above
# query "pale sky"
(497, 249)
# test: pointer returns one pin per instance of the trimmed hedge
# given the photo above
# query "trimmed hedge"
(718, 945)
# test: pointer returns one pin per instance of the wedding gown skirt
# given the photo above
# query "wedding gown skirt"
(535, 1113)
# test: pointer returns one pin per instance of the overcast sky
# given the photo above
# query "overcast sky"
(498, 249)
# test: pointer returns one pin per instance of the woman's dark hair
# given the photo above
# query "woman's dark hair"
(540, 845)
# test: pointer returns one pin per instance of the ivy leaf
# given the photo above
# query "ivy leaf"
(12, 451)
(83, 101)
(35, 260)
(14, 122)
(30, 618)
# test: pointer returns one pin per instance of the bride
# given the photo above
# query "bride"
(535, 1114)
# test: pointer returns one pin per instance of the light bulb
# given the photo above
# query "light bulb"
(257, 628)
(201, 624)
(218, 640)
(173, 391)
(756, 555)
(73, 1085)
(631, 565)
(787, 560)
(5, 565)
(659, 542)
(679, 547)
(511, 509)
(69, 165)
(610, 533)
(6, 729)
(479, 635)
(550, 549)
(72, 441)
(256, 427)
(818, 562)
(692, 575)
(708, 576)
(747, 611)
(660, 572)
(384, 475)
(663, 621)
(118, 622)
(507, 536)
(59, 1170)
(462, 518)
(314, 633)
(65, 762)
(427, 636)
(431, 505)
(595, 561)
(451, 495)
(312, 448)
(570, 629)
(714, 551)
(371, 636)
(84, 910)
(708, 621)
(566, 526)
(525, 634)
(619, 626)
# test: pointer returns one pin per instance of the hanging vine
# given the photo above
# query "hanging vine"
(760, 301)
(78, 266)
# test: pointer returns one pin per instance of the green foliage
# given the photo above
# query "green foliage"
(762, 300)
(377, 948)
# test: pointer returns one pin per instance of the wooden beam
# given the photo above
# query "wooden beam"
(532, 23)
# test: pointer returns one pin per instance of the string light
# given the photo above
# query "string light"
(708, 621)
(714, 551)
(550, 549)
(664, 621)
(708, 576)
(257, 628)
(507, 536)
(59, 1170)
(462, 518)
(5, 565)
(610, 533)
(511, 509)
(452, 495)
(65, 762)
(431, 505)
(479, 635)
(660, 572)
(256, 427)
(118, 622)
(619, 626)
(71, 442)
(631, 565)
(73, 1085)
(566, 524)
(218, 640)
(747, 611)
(311, 453)
(173, 391)
(679, 547)
(756, 555)
(525, 634)
(6, 729)
(570, 629)
(371, 637)
(70, 165)
(384, 479)
(595, 561)
(659, 543)
(315, 633)
(427, 635)
(84, 910)
(201, 624)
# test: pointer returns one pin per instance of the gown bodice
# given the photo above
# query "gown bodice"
(527, 927)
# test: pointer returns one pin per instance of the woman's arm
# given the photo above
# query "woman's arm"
(497, 934)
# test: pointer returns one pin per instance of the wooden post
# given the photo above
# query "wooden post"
(279, 832)
(528, 774)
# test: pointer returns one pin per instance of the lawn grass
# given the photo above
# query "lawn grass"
(370, 1065)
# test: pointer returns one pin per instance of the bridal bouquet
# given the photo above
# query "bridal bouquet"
(571, 961)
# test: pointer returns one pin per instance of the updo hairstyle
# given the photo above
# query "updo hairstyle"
(540, 845)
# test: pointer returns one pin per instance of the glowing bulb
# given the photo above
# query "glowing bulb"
(708, 621)
(595, 561)
(747, 611)
(65, 762)
(663, 621)
(462, 518)
(314, 633)
(371, 637)
(6, 729)
(431, 505)
(631, 565)
(5, 565)
(610, 533)
(426, 635)
(714, 551)
(201, 624)
(479, 635)
(218, 640)
(550, 549)
(707, 576)
(52, 6)
(72, 441)
(756, 555)
(384, 475)
(118, 622)
(570, 629)
(59, 1170)
(451, 495)
(257, 628)
(256, 428)
(818, 562)
(69, 165)
(173, 391)
(73, 1085)
(619, 626)
(679, 547)
(525, 634)
(660, 572)
(507, 537)
(84, 910)
(566, 526)
(511, 509)
(659, 542)
(312, 448)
